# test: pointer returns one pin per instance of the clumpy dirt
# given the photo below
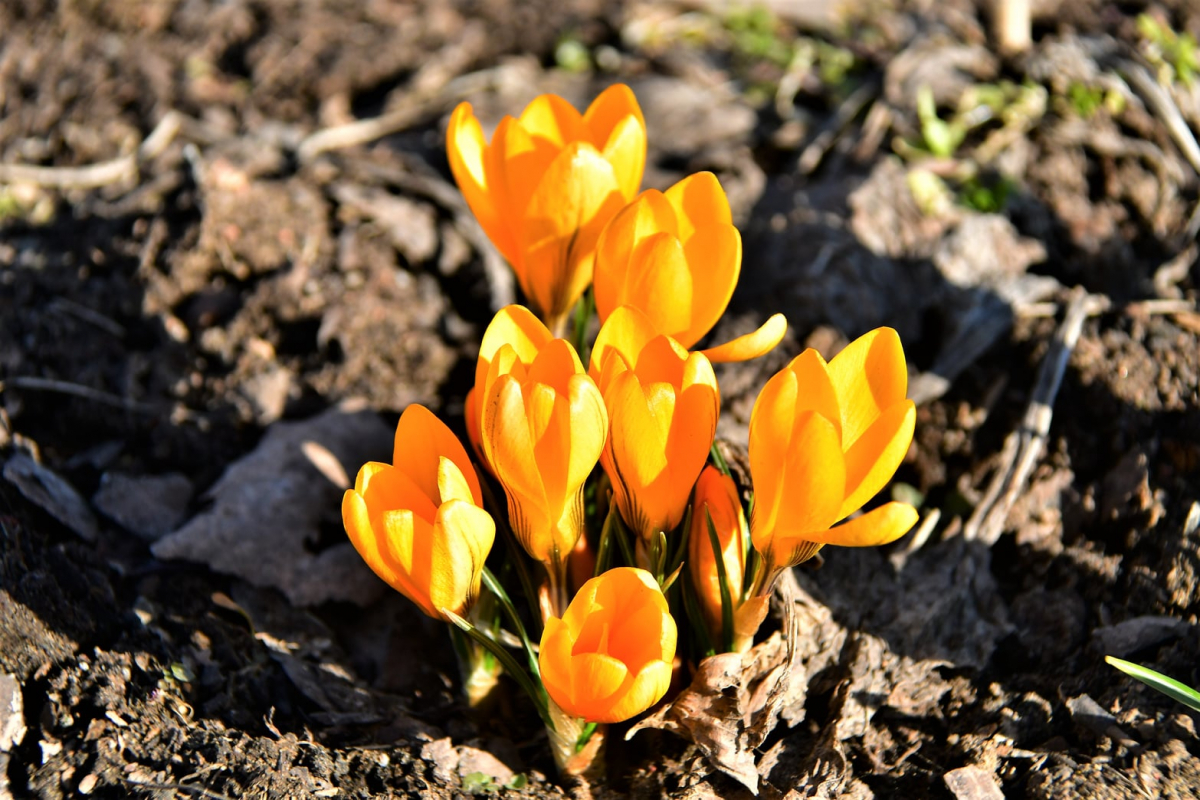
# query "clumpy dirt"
(235, 284)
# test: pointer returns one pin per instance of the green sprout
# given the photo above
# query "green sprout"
(941, 138)
(1161, 683)
(757, 35)
(1176, 54)
(571, 55)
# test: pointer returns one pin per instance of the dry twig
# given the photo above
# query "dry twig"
(424, 98)
(1024, 446)
(96, 175)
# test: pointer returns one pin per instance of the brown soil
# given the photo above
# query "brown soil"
(161, 323)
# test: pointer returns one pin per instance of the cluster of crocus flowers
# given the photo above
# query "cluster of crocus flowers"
(557, 193)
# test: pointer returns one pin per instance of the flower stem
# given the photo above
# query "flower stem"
(577, 745)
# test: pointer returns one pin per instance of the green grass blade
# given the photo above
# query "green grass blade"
(1156, 680)
(493, 585)
(723, 580)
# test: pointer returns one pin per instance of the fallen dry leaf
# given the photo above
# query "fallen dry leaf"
(270, 507)
(732, 704)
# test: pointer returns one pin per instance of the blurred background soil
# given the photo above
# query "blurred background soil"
(231, 254)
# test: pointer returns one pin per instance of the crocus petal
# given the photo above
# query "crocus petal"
(520, 162)
(553, 119)
(421, 439)
(693, 428)
(625, 149)
(752, 345)
(646, 689)
(589, 428)
(803, 495)
(358, 528)
(517, 327)
(554, 365)
(462, 537)
(661, 284)
(391, 488)
(870, 376)
(616, 267)
(576, 197)
(405, 541)
(627, 331)
(507, 441)
(554, 657)
(714, 258)
(872, 460)
(700, 202)
(879, 526)
(596, 678)
(365, 474)
(472, 414)
(638, 435)
(452, 485)
(468, 155)
(619, 132)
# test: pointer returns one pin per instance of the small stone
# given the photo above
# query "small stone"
(149, 506)
(47, 489)
(1088, 714)
(1137, 633)
(88, 784)
(12, 714)
(480, 762)
(443, 756)
(972, 783)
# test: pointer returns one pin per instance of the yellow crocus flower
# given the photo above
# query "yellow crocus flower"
(676, 257)
(609, 657)
(662, 405)
(824, 439)
(546, 185)
(543, 427)
(418, 522)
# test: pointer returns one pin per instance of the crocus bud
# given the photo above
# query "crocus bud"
(547, 184)
(716, 496)
(662, 405)
(675, 256)
(543, 427)
(418, 523)
(609, 657)
(824, 439)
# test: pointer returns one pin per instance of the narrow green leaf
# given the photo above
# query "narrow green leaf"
(583, 315)
(658, 556)
(695, 617)
(514, 670)
(604, 549)
(718, 459)
(623, 542)
(723, 579)
(584, 735)
(1172, 688)
(493, 585)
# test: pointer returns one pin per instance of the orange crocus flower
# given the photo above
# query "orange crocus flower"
(824, 439)
(547, 184)
(543, 427)
(676, 256)
(418, 522)
(517, 327)
(609, 657)
(663, 403)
